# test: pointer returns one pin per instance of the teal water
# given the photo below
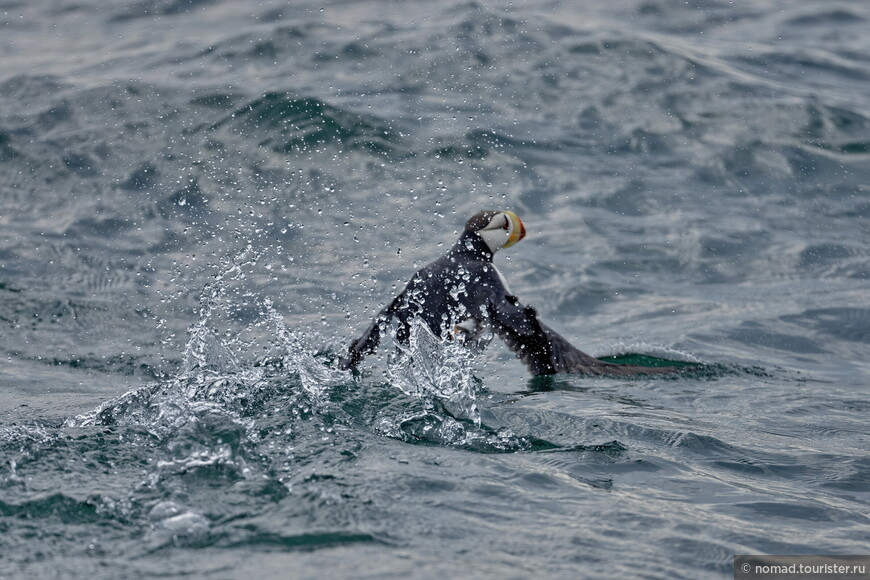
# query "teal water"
(202, 202)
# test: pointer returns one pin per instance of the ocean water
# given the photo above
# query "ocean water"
(203, 201)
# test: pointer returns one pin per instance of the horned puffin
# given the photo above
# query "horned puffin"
(462, 296)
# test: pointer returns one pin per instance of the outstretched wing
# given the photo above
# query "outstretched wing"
(368, 342)
(545, 351)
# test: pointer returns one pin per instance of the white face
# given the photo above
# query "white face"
(503, 230)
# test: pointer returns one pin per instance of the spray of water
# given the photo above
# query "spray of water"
(217, 374)
(436, 371)
(222, 385)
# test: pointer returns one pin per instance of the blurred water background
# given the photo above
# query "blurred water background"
(202, 201)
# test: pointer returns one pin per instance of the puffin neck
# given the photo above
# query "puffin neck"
(471, 245)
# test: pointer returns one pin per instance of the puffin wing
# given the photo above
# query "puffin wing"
(368, 342)
(520, 330)
(545, 351)
(569, 359)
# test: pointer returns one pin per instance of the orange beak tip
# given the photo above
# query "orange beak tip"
(518, 229)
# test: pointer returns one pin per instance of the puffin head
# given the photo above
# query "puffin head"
(498, 229)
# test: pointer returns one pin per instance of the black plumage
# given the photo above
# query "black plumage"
(462, 294)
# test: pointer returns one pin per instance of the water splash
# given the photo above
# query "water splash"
(226, 399)
(21, 443)
(172, 523)
(205, 355)
(314, 375)
(437, 372)
(210, 380)
(219, 370)
(438, 375)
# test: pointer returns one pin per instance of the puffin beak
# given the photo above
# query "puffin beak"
(517, 229)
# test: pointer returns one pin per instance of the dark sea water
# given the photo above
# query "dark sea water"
(203, 201)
